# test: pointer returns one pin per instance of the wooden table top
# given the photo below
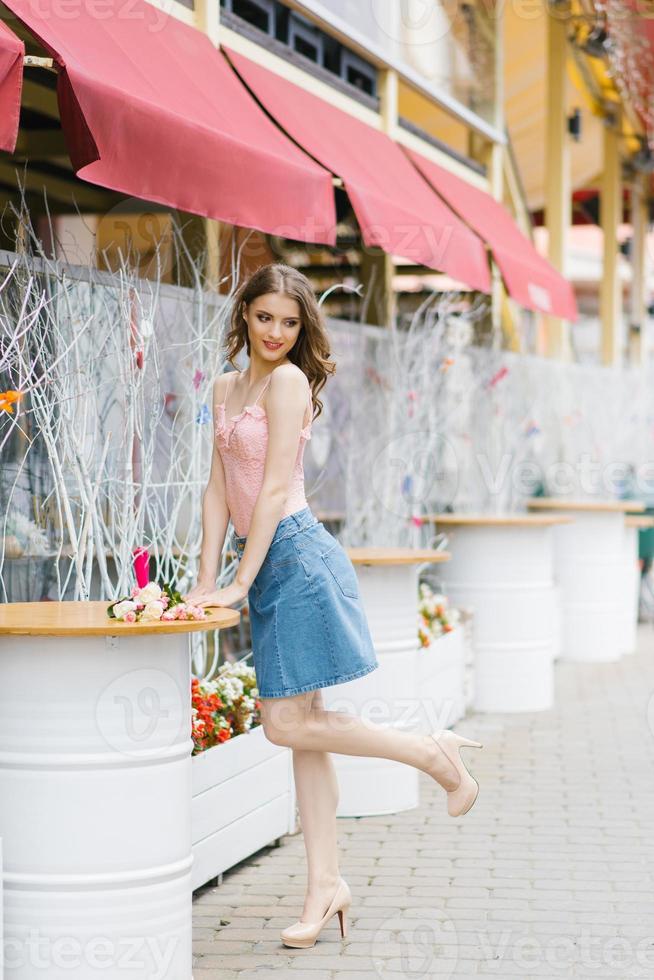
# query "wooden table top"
(639, 520)
(91, 619)
(383, 555)
(509, 519)
(590, 504)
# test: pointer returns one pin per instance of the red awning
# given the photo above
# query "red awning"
(12, 51)
(149, 107)
(395, 207)
(530, 279)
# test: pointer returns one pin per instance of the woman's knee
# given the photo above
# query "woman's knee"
(283, 719)
(277, 734)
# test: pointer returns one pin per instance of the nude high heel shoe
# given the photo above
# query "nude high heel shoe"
(459, 800)
(301, 935)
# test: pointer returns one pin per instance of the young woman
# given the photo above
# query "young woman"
(308, 626)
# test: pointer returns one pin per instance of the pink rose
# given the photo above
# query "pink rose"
(130, 617)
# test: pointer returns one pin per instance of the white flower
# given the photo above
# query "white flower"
(120, 608)
(152, 610)
(229, 689)
(149, 593)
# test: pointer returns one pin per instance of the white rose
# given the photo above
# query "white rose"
(127, 605)
(153, 610)
(149, 593)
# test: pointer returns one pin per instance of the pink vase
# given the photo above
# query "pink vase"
(141, 566)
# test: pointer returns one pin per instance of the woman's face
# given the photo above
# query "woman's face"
(273, 325)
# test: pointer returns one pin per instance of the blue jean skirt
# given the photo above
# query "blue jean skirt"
(307, 622)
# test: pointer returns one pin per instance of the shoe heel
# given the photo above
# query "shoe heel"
(342, 919)
(462, 740)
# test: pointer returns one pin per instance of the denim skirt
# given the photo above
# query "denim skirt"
(307, 622)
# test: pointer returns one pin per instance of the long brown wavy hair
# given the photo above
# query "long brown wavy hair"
(311, 350)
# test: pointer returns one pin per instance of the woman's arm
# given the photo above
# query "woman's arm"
(286, 403)
(215, 515)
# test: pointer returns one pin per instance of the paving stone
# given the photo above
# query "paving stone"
(549, 876)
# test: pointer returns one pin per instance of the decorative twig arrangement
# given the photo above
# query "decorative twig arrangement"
(106, 423)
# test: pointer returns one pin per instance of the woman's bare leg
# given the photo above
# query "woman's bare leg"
(312, 732)
(316, 788)
(300, 724)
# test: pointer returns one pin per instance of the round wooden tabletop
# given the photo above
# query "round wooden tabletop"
(91, 619)
(639, 520)
(590, 504)
(495, 520)
(383, 555)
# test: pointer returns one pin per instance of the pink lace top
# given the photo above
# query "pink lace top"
(242, 443)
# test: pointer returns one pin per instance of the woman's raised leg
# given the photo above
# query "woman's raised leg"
(300, 724)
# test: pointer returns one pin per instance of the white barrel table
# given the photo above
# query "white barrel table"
(502, 567)
(633, 524)
(589, 567)
(95, 792)
(389, 696)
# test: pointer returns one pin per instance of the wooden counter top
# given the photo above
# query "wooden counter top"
(560, 503)
(395, 556)
(510, 519)
(91, 619)
(639, 520)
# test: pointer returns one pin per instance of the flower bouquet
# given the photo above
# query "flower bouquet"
(435, 616)
(224, 707)
(148, 601)
(151, 602)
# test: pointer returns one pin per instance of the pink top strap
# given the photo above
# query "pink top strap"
(229, 378)
(263, 389)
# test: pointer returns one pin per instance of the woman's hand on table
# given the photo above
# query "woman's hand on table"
(199, 590)
(202, 595)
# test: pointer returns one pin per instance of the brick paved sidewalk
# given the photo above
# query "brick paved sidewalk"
(551, 874)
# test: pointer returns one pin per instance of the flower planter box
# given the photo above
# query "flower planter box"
(440, 677)
(243, 799)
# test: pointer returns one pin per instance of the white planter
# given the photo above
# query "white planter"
(95, 804)
(595, 569)
(440, 675)
(503, 571)
(243, 799)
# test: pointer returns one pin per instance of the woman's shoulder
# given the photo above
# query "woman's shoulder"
(287, 376)
(220, 385)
